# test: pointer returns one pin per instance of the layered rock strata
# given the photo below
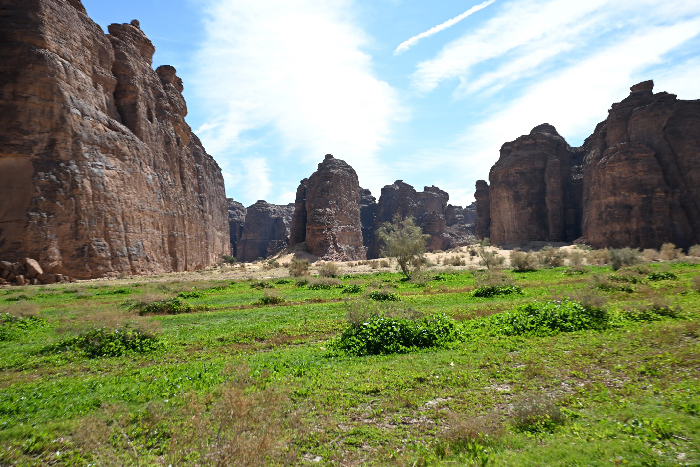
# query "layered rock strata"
(265, 231)
(327, 208)
(99, 173)
(635, 181)
(236, 221)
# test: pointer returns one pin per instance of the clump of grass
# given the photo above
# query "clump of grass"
(12, 327)
(623, 257)
(101, 342)
(380, 335)
(696, 283)
(328, 269)
(270, 298)
(191, 294)
(656, 311)
(575, 271)
(455, 261)
(604, 284)
(488, 291)
(537, 415)
(283, 281)
(168, 306)
(261, 285)
(116, 291)
(299, 267)
(352, 288)
(521, 261)
(323, 283)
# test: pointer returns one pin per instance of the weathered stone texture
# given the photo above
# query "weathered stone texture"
(236, 220)
(368, 212)
(529, 189)
(331, 200)
(99, 173)
(266, 230)
(298, 233)
(482, 199)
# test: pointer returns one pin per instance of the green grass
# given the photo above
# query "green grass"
(564, 373)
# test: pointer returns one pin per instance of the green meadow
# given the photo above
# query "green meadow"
(557, 366)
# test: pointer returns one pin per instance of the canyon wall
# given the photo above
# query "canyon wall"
(265, 231)
(99, 172)
(635, 181)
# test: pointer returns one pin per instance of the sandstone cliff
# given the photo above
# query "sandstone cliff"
(635, 181)
(327, 208)
(99, 173)
(265, 232)
(236, 220)
(368, 213)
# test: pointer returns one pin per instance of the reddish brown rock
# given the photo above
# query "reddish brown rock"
(642, 173)
(266, 230)
(32, 268)
(368, 213)
(99, 173)
(482, 198)
(331, 201)
(426, 207)
(298, 231)
(530, 189)
(236, 220)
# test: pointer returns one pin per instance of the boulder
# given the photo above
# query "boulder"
(99, 172)
(32, 268)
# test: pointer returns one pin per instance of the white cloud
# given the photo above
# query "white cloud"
(407, 44)
(295, 71)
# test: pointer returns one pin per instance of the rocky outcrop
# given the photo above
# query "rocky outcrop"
(265, 232)
(298, 233)
(531, 194)
(635, 182)
(236, 220)
(426, 207)
(642, 173)
(330, 200)
(482, 198)
(460, 225)
(99, 173)
(368, 213)
(29, 272)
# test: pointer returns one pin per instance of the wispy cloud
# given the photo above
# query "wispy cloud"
(407, 44)
(296, 74)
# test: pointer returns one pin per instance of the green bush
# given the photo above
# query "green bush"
(192, 294)
(323, 283)
(11, 327)
(270, 299)
(623, 257)
(283, 281)
(169, 306)
(541, 319)
(261, 285)
(380, 335)
(354, 288)
(488, 291)
(384, 296)
(102, 343)
(228, 259)
(117, 291)
(662, 276)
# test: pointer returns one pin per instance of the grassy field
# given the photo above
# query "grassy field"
(253, 372)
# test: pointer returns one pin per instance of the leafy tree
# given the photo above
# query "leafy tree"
(403, 240)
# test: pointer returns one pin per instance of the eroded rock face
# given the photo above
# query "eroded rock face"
(642, 173)
(236, 220)
(298, 233)
(368, 213)
(482, 199)
(266, 230)
(426, 207)
(331, 200)
(99, 173)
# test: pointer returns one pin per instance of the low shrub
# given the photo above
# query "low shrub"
(694, 251)
(488, 291)
(283, 281)
(353, 288)
(662, 276)
(523, 262)
(270, 299)
(629, 278)
(623, 257)
(384, 296)
(103, 343)
(551, 257)
(261, 285)
(384, 263)
(302, 282)
(117, 291)
(379, 335)
(228, 259)
(657, 311)
(576, 258)
(328, 269)
(575, 271)
(169, 306)
(598, 257)
(191, 294)
(650, 255)
(12, 327)
(490, 259)
(455, 261)
(541, 319)
(536, 415)
(299, 267)
(323, 283)
(604, 284)
(669, 251)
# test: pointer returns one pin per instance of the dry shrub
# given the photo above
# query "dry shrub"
(374, 264)
(521, 261)
(576, 258)
(455, 261)
(650, 255)
(551, 257)
(490, 259)
(384, 263)
(623, 257)
(589, 298)
(492, 278)
(536, 414)
(103, 435)
(247, 425)
(328, 269)
(696, 283)
(598, 257)
(464, 430)
(669, 251)
(694, 251)
(299, 267)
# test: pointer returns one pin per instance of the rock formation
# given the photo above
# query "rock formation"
(236, 220)
(265, 232)
(634, 182)
(426, 207)
(328, 209)
(368, 213)
(99, 173)
(482, 199)
(531, 193)
(28, 272)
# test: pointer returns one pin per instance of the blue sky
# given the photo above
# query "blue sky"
(426, 92)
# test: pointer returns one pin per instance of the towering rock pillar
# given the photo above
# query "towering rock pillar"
(482, 199)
